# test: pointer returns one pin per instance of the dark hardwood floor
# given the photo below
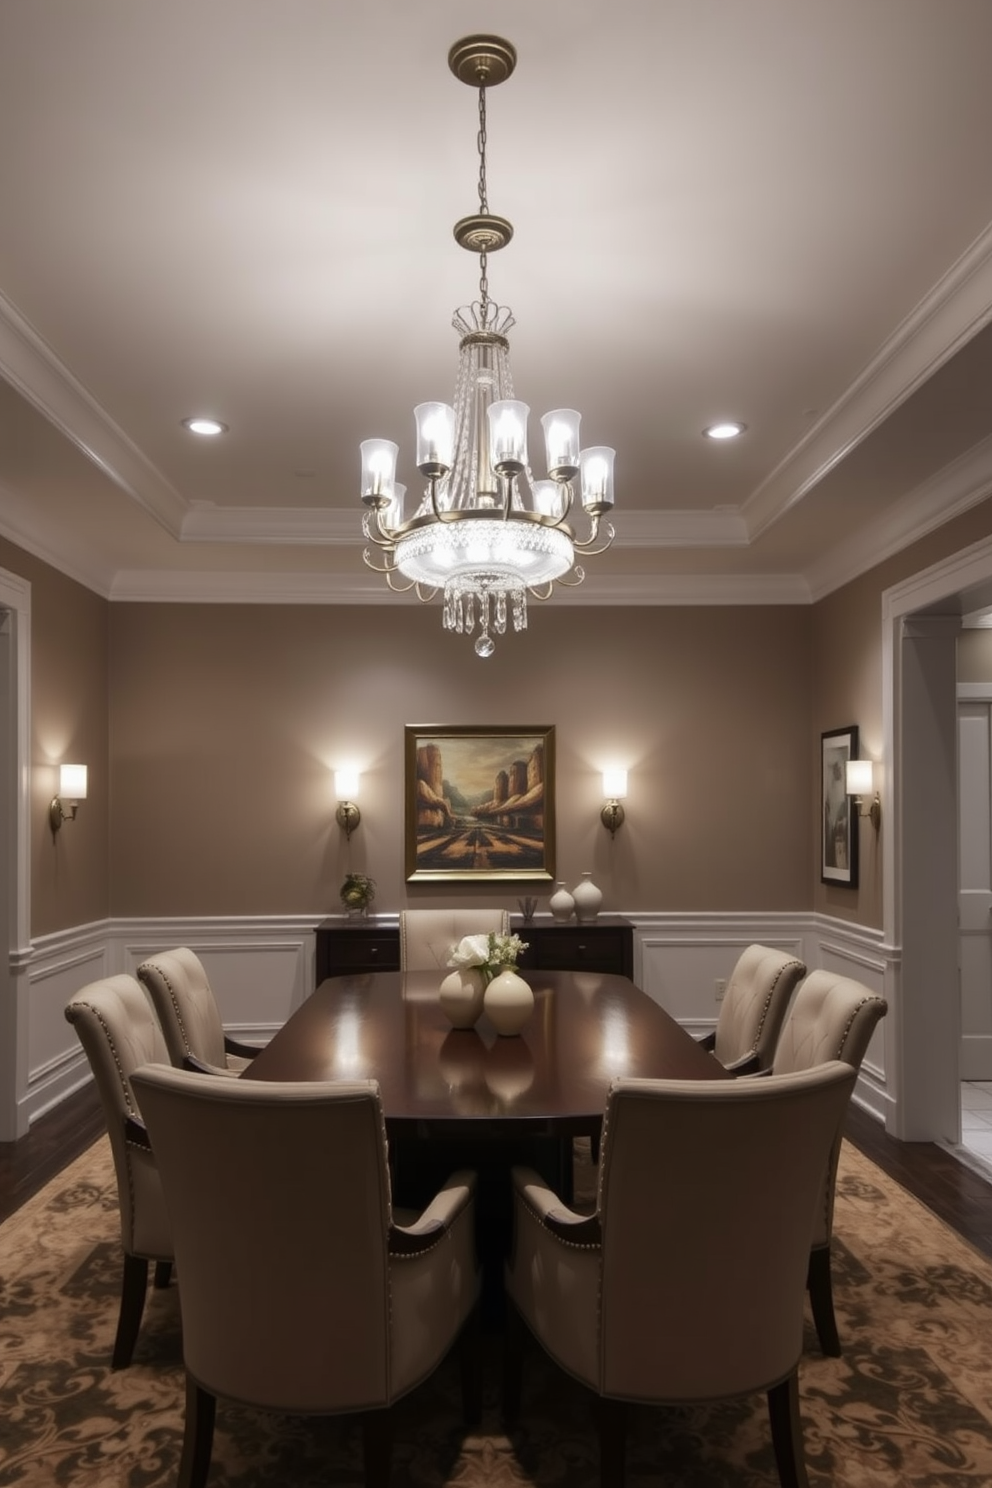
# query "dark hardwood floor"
(958, 1195)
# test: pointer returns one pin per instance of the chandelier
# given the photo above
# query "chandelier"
(485, 533)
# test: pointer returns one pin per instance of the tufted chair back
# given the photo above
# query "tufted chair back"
(427, 935)
(688, 1282)
(187, 1010)
(832, 1017)
(299, 1291)
(754, 1007)
(119, 1033)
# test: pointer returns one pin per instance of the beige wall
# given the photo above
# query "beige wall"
(226, 723)
(974, 660)
(846, 657)
(211, 792)
(70, 881)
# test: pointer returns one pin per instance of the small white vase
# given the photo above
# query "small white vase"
(461, 996)
(587, 899)
(561, 903)
(508, 1002)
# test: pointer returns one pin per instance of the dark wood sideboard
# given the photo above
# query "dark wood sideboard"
(603, 944)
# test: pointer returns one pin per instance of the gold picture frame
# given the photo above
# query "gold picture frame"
(480, 803)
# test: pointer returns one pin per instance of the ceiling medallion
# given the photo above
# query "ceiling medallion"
(485, 533)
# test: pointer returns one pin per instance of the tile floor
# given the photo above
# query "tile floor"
(976, 1121)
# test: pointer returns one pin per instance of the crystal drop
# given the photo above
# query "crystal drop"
(485, 645)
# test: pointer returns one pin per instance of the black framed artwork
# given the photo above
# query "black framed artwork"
(839, 832)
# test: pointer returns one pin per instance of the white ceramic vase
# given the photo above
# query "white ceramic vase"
(587, 899)
(461, 996)
(508, 1002)
(561, 903)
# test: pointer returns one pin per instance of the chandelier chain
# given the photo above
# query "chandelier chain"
(483, 204)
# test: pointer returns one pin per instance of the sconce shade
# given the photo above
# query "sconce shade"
(346, 784)
(72, 790)
(859, 777)
(72, 782)
(615, 784)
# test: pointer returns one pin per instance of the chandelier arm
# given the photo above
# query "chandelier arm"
(543, 591)
(586, 546)
(567, 583)
(425, 593)
(385, 568)
(397, 588)
(382, 537)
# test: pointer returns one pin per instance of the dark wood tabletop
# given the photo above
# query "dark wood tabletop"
(587, 1027)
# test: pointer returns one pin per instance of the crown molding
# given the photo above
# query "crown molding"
(30, 365)
(957, 307)
(945, 495)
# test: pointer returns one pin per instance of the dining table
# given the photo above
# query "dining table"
(473, 1098)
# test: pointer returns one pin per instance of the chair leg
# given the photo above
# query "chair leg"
(787, 1432)
(821, 1297)
(514, 1335)
(612, 1442)
(470, 1368)
(198, 1436)
(377, 1447)
(163, 1275)
(133, 1286)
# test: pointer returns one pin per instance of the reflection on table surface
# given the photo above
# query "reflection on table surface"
(586, 1029)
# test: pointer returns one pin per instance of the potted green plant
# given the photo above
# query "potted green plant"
(357, 893)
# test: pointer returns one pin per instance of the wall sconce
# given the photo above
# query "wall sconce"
(860, 783)
(347, 815)
(72, 790)
(615, 790)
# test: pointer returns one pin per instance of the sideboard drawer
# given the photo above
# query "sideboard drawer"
(575, 951)
(344, 949)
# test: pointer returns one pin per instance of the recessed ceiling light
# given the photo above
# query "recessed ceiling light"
(726, 429)
(207, 426)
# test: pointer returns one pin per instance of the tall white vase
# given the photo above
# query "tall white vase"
(461, 996)
(587, 899)
(508, 1002)
(561, 903)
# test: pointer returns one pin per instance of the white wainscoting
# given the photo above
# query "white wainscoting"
(679, 959)
(262, 968)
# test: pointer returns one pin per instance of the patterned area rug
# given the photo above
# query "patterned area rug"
(910, 1402)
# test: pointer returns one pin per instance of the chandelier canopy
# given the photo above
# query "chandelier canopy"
(485, 532)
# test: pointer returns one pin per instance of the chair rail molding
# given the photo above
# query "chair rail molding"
(262, 967)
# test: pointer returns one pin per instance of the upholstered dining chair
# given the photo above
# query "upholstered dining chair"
(687, 1283)
(187, 1010)
(427, 935)
(753, 1009)
(832, 1017)
(279, 1194)
(119, 1032)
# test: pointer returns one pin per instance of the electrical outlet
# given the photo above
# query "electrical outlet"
(719, 988)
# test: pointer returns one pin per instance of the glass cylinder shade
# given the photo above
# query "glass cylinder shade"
(378, 471)
(615, 784)
(548, 499)
(508, 435)
(435, 438)
(72, 782)
(596, 479)
(561, 442)
(859, 777)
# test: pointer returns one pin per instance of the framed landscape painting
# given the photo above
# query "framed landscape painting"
(480, 803)
(839, 850)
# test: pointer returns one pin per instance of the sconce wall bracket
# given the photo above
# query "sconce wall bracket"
(347, 817)
(873, 810)
(612, 816)
(58, 813)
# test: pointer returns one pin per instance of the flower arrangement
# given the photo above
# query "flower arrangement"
(357, 893)
(489, 953)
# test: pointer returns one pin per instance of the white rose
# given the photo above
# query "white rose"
(471, 950)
